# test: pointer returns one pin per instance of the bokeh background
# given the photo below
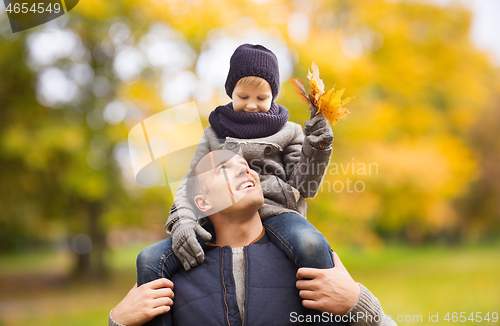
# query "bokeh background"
(411, 201)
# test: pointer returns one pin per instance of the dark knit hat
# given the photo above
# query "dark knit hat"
(253, 60)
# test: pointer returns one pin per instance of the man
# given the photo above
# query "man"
(245, 279)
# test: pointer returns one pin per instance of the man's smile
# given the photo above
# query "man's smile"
(245, 185)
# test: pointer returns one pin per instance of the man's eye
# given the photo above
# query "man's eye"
(221, 167)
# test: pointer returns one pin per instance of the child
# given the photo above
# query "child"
(290, 166)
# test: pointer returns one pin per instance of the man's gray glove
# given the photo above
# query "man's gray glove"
(318, 131)
(184, 243)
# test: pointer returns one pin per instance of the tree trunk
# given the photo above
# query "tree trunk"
(92, 265)
(98, 237)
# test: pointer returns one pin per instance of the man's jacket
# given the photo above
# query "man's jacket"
(206, 295)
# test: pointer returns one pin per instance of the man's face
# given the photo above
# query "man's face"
(252, 98)
(231, 184)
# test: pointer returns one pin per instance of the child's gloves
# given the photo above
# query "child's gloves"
(184, 243)
(318, 131)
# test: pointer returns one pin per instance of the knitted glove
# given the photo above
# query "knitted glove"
(184, 243)
(318, 131)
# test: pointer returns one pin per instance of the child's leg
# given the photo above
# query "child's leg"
(157, 261)
(154, 262)
(300, 240)
(303, 244)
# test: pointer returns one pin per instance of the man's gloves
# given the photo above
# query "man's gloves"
(318, 131)
(184, 243)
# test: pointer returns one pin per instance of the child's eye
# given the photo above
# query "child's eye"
(243, 98)
(260, 99)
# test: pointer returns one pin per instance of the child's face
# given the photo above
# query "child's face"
(252, 98)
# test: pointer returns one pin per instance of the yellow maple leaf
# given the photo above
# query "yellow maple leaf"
(329, 103)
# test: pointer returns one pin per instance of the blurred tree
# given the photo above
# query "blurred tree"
(44, 172)
(59, 168)
(18, 103)
(480, 208)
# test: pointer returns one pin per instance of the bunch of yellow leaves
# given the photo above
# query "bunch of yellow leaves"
(329, 103)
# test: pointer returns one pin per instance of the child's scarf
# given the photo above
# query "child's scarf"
(229, 123)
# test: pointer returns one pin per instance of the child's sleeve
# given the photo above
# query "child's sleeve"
(305, 165)
(182, 206)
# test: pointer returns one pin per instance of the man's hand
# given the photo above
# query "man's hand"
(143, 303)
(318, 132)
(184, 243)
(328, 290)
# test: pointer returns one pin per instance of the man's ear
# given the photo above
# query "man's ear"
(202, 203)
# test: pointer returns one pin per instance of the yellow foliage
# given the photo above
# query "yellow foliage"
(441, 166)
(96, 9)
(93, 188)
(144, 95)
(330, 103)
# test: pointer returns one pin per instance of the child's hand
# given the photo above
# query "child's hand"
(318, 131)
(184, 243)
(313, 111)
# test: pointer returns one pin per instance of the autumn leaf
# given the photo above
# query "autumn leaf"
(330, 103)
(300, 90)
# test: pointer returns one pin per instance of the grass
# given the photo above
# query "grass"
(409, 282)
(424, 281)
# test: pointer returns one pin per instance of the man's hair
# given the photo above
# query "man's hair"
(196, 183)
(195, 186)
(251, 81)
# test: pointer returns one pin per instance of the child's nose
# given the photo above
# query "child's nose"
(251, 105)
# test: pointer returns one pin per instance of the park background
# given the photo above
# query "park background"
(423, 235)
